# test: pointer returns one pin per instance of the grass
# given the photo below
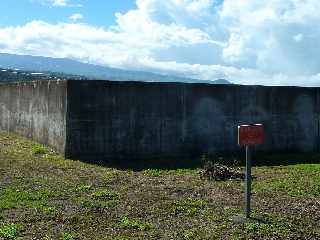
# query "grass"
(84, 188)
(297, 181)
(105, 195)
(43, 196)
(189, 206)
(13, 198)
(134, 224)
(8, 231)
(67, 236)
(39, 149)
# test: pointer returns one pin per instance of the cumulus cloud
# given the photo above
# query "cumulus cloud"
(273, 36)
(249, 42)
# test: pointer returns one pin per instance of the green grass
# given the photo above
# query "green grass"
(39, 149)
(161, 172)
(296, 181)
(84, 188)
(108, 195)
(13, 198)
(43, 196)
(134, 224)
(189, 206)
(67, 236)
(153, 172)
(8, 231)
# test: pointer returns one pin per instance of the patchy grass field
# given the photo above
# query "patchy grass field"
(43, 196)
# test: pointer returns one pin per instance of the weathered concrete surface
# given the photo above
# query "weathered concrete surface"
(35, 110)
(116, 121)
(123, 122)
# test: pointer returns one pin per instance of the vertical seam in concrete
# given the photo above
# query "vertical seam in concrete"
(66, 119)
(317, 119)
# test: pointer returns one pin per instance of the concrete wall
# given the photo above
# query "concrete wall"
(122, 122)
(110, 121)
(35, 110)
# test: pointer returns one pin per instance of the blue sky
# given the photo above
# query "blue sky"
(95, 12)
(272, 42)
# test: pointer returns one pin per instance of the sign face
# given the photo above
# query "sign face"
(250, 135)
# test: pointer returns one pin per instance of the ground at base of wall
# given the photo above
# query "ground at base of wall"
(43, 196)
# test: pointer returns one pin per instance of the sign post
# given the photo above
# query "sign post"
(249, 135)
(248, 183)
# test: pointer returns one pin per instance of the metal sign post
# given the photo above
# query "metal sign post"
(248, 182)
(249, 135)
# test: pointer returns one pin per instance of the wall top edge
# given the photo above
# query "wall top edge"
(150, 83)
(30, 82)
(113, 82)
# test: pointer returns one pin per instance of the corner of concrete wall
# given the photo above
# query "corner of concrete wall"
(36, 110)
(67, 134)
(69, 125)
(65, 146)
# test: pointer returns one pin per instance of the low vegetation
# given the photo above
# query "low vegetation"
(39, 149)
(43, 196)
(8, 231)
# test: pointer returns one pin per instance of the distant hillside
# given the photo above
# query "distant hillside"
(15, 75)
(90, 71)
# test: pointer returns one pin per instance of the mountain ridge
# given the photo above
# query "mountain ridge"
(41, 64)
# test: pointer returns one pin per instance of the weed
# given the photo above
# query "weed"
(39, 149)
(111, 175)
(153, 172)
(67, 236)
(98, 204)
(14, 198)
(107, 195)
(84, 188)
(49, 210)
(189, 206)
(266, 230)
(160, 172)
(8, 231)
(125, 222)
(184, 171)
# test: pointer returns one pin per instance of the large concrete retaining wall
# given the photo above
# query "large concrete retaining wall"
(129, 120)
(35, 110)
(122, 122)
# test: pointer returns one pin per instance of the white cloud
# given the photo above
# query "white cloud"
(58, 3)
(273, 36)
(251, 42)
(76, 17)
(298, 37)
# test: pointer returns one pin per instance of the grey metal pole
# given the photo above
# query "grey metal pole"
(248, 182)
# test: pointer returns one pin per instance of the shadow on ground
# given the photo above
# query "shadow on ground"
(258, 159)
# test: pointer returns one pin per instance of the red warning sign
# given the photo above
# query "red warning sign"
(250, 135)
